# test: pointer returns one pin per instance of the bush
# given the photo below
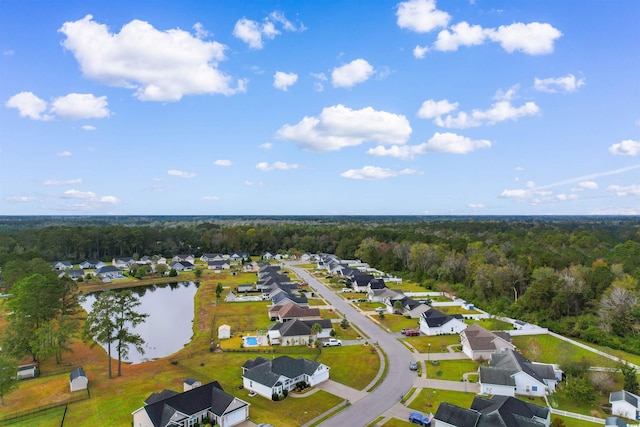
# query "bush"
(275, 397)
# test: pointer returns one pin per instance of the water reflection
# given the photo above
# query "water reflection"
(169, 325)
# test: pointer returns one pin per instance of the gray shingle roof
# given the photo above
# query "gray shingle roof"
(269, 372)
(624, 395)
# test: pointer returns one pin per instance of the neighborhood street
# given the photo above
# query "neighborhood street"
(398, 380)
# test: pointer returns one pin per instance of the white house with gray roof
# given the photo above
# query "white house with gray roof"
(625, 404)
(269, 377)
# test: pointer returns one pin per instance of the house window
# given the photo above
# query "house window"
(534, 388)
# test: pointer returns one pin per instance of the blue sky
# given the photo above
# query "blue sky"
(320, 107)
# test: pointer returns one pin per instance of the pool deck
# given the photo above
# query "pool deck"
(262, 341)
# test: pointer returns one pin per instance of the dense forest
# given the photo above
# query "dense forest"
(576, 275)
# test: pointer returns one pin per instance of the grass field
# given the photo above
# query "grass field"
(394, 422)
(451, 370)
(549, 349)
(429, 399)
(438, 343)
(396, 322)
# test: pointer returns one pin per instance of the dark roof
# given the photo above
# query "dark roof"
(107, 269)
(434, 318)
(509, 359)
(156, 397)
(76, 373)
(377, 284)
(499, 376)
(161, 410)
(363, 279)
(293, 328)
(268, 373)
(624, 395)
(457, 416)
(284, 295)
(508, 411)
(325, 323)
(615, 421)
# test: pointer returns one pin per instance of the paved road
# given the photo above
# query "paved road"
(398, 380)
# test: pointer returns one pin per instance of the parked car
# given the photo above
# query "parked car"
(418, 418)
(381, 309)
(404, 331)
(411, 333)
(332, 342)
(346, 290)
(413, 365)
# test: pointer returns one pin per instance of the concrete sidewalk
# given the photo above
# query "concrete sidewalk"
(340, 390)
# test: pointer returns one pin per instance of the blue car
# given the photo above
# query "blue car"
(418, 418)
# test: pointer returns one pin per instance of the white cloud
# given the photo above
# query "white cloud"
(518, 193)
(88, 127)
(109, 199)
(266, 167)
(448, 142)
(499, 111)
(421, 16)
(431, 109)
(20, 199)
(419, 52)
(622, 191)
(586, 185)
(507, 95)
(266, 146)
(628, 147)
(201, 32)
(211, 198)
(181, 174)
(64, 154)
(338, 126)
(348, 75)
(222, 162)
(29, 105)
(318, 85)
(476, 206)
(159, 65)
(519, 168)
(282, 80)
(89, 196)
(440, 142)
(72, 106)
(534, 38)
(375, 172)
(461, 34)
(568, 83)
(252, 32)
(80, 106)
(66, 182)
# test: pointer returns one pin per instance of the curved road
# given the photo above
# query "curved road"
(398, 380)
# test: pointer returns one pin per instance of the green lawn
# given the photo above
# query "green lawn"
(549, 349)
(572, 422)
(492, 324)
(394, 422)
(451, 370)
(396, 322)
(429, 399)
(438, 343)
(354, 365)
(457, 310)
(368, 306)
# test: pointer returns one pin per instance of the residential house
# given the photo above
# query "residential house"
(479, 343)
(494, 411)
(360, 282)
(246, 287)
(290, 311)
(625, 404)
(267, 256)
(380, 295)
(219, 265)
(108, 272)
(91, 263)
(284, 297)
(409, 306)
(270, 378)
(145, 260)
(62, 265)
(123, 262)
(191, 407)
(523, 326)
(182, 266)
(297, 332)
(510, 373)
(184, 257)
(434, 322)
(161, 260)
(78, 380)
(211, 257)
(614, 422)
(73, 274)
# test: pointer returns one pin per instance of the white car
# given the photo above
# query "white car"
(332, 342)
(346, 290)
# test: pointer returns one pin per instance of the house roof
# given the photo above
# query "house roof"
(508, 411)
(363, 279)
(325, 323)
(457, 416)
(268, 372)
(107, 269)
(615, 421)
(282, 296)
(509, 359)
(77, 373)
(170, 405)
(621, 395)
(377, 284)
(293, 328)
(434, 318)
(498, 376)
(294, 310)
(479, 339)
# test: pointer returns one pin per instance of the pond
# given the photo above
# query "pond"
(169, 325)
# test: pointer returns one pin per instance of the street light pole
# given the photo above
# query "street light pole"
(428, 358)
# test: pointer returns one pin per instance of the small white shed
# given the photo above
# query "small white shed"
(190, 384)
(224, 332)
(78, 380)
(26, 371)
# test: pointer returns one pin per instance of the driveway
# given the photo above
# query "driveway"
(398, 380)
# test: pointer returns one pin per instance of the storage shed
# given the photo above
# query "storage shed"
(78, 380)
(224, 332)
(26, 371)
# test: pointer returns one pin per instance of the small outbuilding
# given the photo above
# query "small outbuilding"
(190, 384)
(78, 380)
(26, 371)
(224, 332)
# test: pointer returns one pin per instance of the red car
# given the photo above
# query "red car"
(411, 333)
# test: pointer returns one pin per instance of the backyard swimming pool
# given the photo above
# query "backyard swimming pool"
(250, 341)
